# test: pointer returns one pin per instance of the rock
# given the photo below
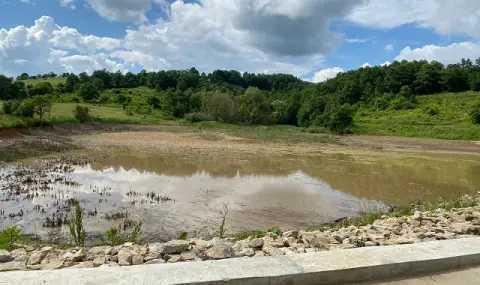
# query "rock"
(213, 242)
(99, 261)
(405, 240)
(245, 252)
(36, 257)
(124, 257)
(188, 255)
(114, 258)
(174, 246)
(34, 267)
(271, 235)
(79, 255)
(240, 245)
(371, 243)
(128, 244)
(259, 254)
(97, 252)
(310, 250)
(176, 258)
(275, 243)
(292, 234)
(68, 256)
(444, 236)
(256, 243)
(86, 264)
(108, 265)
(220, 251)
(137, 259)
(272, 251)
(287, 251)
(200, 243)
(462, 228)
(153, 252)
(5, 256)
(155, 261)
(58, 264)
(110, 251)
(46, 249)
(418, 216)
(314, 239)
(12, 266)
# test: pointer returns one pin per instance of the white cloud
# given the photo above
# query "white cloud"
(389, 47)
(386, 63)
(445, 54)
(68, 4)
(38, 49)
(325, 74)
(445, 16)
(357, 41)
(366, 64)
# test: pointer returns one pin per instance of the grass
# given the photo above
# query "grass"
(53, 81)
(449, 120)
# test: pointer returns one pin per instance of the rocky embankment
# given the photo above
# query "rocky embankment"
(420, 227)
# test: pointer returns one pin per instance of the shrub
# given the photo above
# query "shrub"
(9, 237)
(475, 114)
(431, 110)
(82, 113)
(10, 107)
(26, 109)
(339, 120)
(198, 117)
(114, 238)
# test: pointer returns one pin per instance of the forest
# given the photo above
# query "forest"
(248, 99)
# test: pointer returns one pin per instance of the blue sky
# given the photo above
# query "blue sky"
(312, 39)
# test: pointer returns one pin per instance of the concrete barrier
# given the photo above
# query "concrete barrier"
(329, 267)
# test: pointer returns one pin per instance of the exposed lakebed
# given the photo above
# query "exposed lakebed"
(172, 194)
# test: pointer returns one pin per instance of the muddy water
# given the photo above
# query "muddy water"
(174, 194)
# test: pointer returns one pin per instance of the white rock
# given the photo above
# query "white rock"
(124, 257)
(137, 259)
(5, 256)
(256, 243)
(272, 251)
(99, 261)
(220, 251)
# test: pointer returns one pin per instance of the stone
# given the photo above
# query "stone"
(275, 243)
(114, 258)
(109, 265)
(46, 249)
(99, 261)
(272, 251)
(220, 251)
(245, 252)
(34, 267)
(155, 261)
(54, 265)
(418, 216)
(128, 244)
(137, 259)
(36, 257)
(79, 255)
(259, 254)
(5, 256)
(125, 257)
(287, 251)
(12, 266)
(216, 240)
(86, 264)
(240, 245)
(292, 234)
(68, 256)
(97, 252)
(256, 243)
(405, 240)
(174, 246)
(188, 255)
(271, 235)
(462, 228)
(176, 258)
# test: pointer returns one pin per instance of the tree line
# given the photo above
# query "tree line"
(233, 97)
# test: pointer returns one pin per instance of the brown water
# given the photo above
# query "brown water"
(261, 192)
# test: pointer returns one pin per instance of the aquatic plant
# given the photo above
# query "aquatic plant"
(77, 231)
(9, 237)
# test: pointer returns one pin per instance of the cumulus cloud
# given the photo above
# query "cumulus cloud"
(389, 47)
(68, 4)
(39, 49)
(357, 41)
(445, 54)
(124, 10)
(366, 64)
(324, 74)
(444, 16)
(386, 63)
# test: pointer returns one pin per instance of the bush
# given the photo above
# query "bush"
(198, 117)
(77, 231)
(339, 120)
(26, 109)
(432, 110)
(10, 107)
(475, 114)
(9, 237)
(82, 113)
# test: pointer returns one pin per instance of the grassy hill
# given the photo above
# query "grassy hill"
(53, 81)
(444, 116)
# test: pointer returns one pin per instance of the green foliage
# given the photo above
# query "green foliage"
(43, 104)
(10, 107)
(88, 92)
(77, 231)
(220, 106)
(275, 230)
(82, 113)
(183, 236)
(10, 237)
(198, 117)
(26, 109)
(360, 242)
(475, 114)
(114, 238)
(254, 108)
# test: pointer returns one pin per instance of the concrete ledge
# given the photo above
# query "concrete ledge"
(330, 267)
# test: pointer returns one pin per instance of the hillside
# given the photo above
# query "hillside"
(54, 81)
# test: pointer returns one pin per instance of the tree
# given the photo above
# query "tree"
(43, 105)
(221, 106)
(254, 108)
(72, 80)
(23, 76)
(454, 78)
(41, 88)
(6, 92)
(176, 103)
(428, 78)
(88, 92)
(475, 114)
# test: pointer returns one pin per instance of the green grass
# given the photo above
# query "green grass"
(53, 81)
(451, 122)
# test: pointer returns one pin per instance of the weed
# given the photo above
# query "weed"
(136, 233)
(77, 232)
(274, 230)
(114, 238)
(360, 243)
(9, 237)
(223, 213)
(183, 236)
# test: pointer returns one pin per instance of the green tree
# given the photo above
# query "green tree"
(43, 105)
(88, 92)
(220, 106)
(428, 78)
(475, 113)
(254, 108)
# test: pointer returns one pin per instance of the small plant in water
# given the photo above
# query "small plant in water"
(275, 230)
(114, 238)
(136, 233)
(360, 243)
(77, 231)
(9, 237)
(223, 214)
(183, 236)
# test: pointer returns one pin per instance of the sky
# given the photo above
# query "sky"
(311, 39)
